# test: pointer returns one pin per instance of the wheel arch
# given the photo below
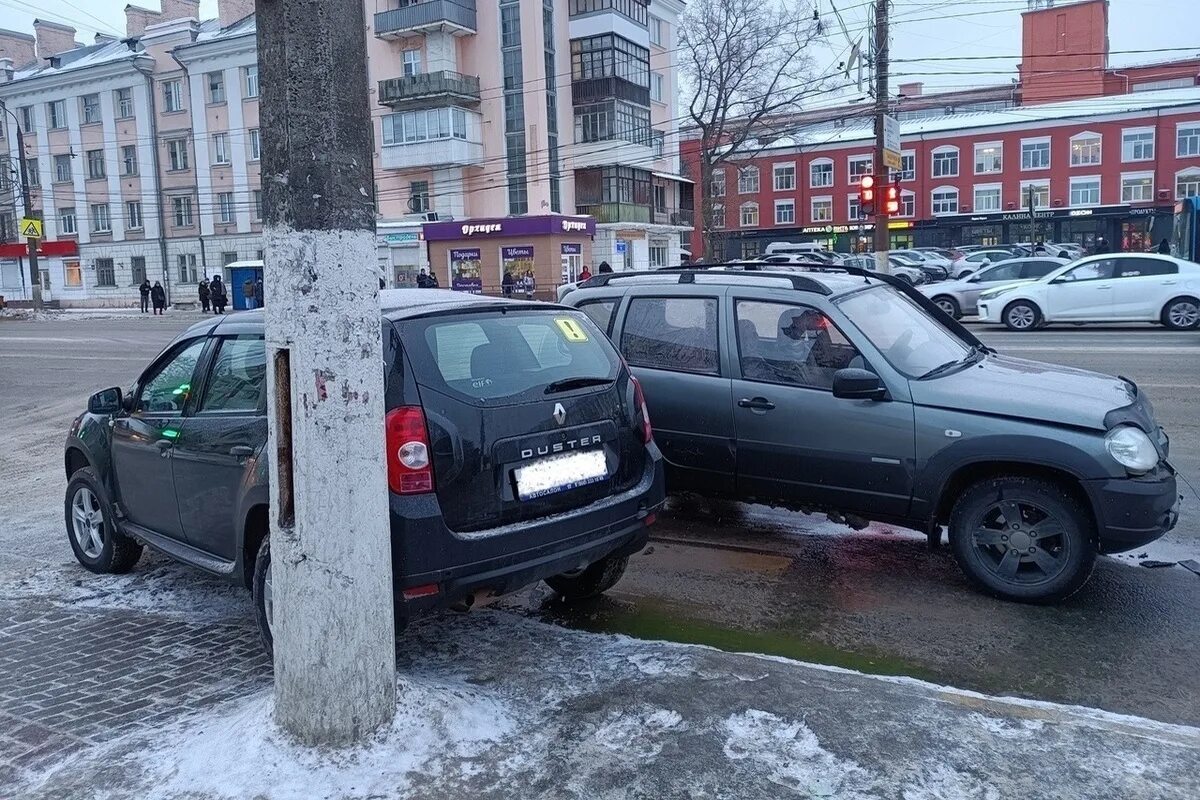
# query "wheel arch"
(255, 528)
(75, 459)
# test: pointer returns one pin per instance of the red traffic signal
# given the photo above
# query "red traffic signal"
(866, 195)
(893, 199)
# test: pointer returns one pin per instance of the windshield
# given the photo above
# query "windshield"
(912, 341)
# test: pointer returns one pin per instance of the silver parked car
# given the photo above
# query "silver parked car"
(959, 297)
(977, 260)
(902, 270)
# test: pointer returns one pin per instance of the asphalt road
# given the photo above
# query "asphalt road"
(753, 579)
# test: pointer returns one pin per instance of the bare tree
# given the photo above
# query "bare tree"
(747, 63)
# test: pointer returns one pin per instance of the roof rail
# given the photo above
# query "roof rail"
(688, 275)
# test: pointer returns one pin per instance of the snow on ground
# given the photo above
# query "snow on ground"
(496, 706)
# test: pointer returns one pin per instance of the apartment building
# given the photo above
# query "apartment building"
(517, 135)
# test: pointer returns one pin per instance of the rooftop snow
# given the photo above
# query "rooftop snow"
(79, 58)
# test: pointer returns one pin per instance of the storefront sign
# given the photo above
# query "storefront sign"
(66, 247)
(550, 224)
(1050, 213)
(516, 261)
(572, 249)
(574, 225)
(465, 270)
(406, 237)
(489, 227)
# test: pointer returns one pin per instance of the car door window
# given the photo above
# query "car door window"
(600, 312)
(789, 344)
(1001, 272)
(672, 333)
(238, 379)
(1038, 269)
(1091, 271)
(168, 388)
(1144, 267)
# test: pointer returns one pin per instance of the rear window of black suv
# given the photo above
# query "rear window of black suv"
(511, 356)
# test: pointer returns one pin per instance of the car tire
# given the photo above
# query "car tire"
(592, 580)
(964, 274)
(1046, 557)
(905, 278)
(260, 588)
(1021, 316)
(1181, 314)
(92, 529)
(949, 305)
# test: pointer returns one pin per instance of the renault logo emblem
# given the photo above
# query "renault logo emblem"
(560, 413)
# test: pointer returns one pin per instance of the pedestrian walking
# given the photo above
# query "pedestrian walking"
(433, 281)
(529, 284)
(604, 268)
(219, 295)
(506, 284)
(585, 274)
(262, 298)
(248, 293)
(158, 296)
(1164, 247)
(144, 291)
(205, 295)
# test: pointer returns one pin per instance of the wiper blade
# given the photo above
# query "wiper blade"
(566, 384)
(975, 353)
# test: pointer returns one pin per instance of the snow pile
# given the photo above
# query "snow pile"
(790, 755)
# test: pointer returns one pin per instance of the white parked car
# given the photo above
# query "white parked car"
(958, 298)
(1111, 287)
(977, 260)
(899, 268)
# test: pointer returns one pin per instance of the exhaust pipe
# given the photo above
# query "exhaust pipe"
(464, 605)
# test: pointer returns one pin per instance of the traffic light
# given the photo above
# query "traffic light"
(866, 196)
(893, 198)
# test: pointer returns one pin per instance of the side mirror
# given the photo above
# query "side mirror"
(106, 402)
(1059, 279)
(984, 263)
(973, 278)
(858, 384)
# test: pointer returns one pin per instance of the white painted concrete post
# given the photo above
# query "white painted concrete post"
(333, 623)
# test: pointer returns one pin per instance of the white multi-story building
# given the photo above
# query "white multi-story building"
(552, 128)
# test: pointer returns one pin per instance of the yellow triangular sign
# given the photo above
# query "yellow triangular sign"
(31, 228)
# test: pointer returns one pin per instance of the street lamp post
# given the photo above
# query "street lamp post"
(35, 276)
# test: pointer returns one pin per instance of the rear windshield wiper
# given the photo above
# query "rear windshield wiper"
(566, 384)
(977, 351)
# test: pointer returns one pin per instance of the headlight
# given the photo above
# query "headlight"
(1131, 448)
(991, 294)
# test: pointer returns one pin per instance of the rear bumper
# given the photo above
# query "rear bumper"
(503, 560)
(1131, 513)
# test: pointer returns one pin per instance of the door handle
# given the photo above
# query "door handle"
(164, 447)
(1109, 286)
(1168, 283)
(756, 404)
(241, 451)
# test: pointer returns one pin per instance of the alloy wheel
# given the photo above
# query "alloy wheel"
(1021, 317)
(947, 305)
(1184, 314)
(1021, 542)
(87, 522)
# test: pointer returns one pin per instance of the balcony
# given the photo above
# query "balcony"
(431, 154)
(430, 90)
(675, 217)
(586, 155)
(616, 212)
(427, 16)
(593, 90)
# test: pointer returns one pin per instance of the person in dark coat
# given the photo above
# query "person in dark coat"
(144, 291)
(506, 284)
(219, 295)
(1101, 246)
(1164, 247)
(205, 296)
(423, 281)
(603, 268)
(158, 296)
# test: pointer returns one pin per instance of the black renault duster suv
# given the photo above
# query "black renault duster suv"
(518, 449)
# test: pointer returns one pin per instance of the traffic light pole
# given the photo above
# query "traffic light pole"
(882, 243)
(35, 272)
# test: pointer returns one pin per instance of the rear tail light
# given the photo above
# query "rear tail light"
(409, 469)
(639, 400)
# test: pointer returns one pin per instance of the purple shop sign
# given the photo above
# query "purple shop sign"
(508, 226)
(465, 254)
(472, 285)
(525, 251)
(572, 249)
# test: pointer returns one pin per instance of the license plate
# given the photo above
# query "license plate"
(560, 473)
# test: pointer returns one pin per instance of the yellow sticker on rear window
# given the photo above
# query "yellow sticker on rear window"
(572, 331)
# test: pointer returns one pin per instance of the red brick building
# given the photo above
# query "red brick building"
(1105, 152)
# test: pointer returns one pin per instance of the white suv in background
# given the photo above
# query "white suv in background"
(1112, 287)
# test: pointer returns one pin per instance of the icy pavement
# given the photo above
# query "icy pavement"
(495, 706)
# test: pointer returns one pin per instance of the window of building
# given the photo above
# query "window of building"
(635, 10)
(182, 209)
(124, 98)
(423, 125)
(613, 119)
(225, 207)
(908, 204)
(418, 193)
(133, 214)
(62, 169)
(944, 201)
(908, 165)
(1038, 190)
(989, 158)
(72, 274)
(255, 145)
(258, 203)
(1035, 154)
(172, 92)
(95, 164)
(220, 148)
(1166, 83)
(718, 183)
(411, 59)
(250, 74)
(6, 171)
(785, 212)
(1085, 149)
(90, 108)
(748, 180)
(129, 160)
(1137, 187)
(549, 59)
(821, 209)
(749, 215)
(820, 173)
(751, 248)
(228, 257)
(859, 166)
(106, 273)
(1085, 191)
(56, 114)
(186, 264)
(31, 170)
(783, 177)
(656, 86)
(657, 31)
(66, 221)
(27, 119)
(1187, 183)
(137, 270)
(1187, 140)
(853, 207)
(177, 154)
(718, 216)
(101, 222)
(513, 74)
(216, 87)
(658, 253)
(945, 162)
(1137, 144)
(987, 198)
(677, 334)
